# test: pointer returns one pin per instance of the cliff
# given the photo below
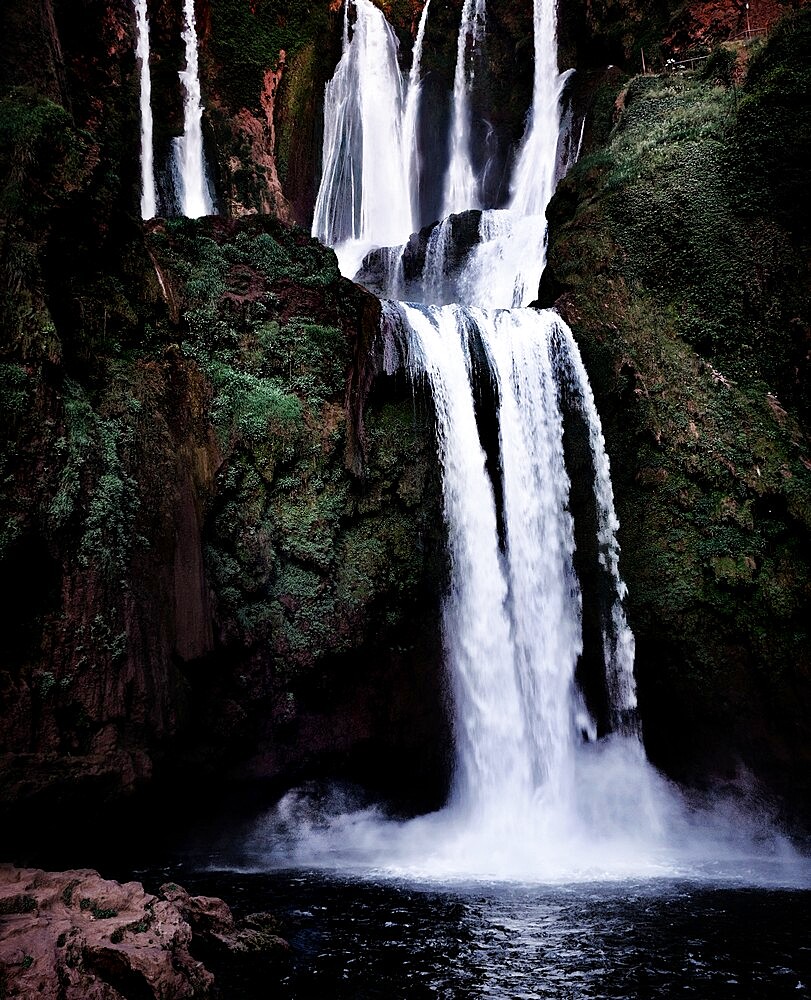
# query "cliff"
(217, 552)
(222, 551)
(679, 258)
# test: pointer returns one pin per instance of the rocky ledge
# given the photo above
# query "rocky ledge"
(77, 936)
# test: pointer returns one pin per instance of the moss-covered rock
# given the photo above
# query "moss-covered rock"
(200, 525)
(690, 300)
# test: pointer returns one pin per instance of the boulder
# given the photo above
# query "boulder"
(77, 936)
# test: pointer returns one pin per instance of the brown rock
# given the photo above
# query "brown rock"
(212, 921)
(76, 936)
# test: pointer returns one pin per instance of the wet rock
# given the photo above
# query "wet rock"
(214, 927)
(445, 246)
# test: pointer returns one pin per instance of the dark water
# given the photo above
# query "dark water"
(361, 938)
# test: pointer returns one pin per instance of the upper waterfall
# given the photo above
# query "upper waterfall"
(364, 198)
(148, 194)
(461, 182)
(411, 118)
(534, 179)
(194, 190)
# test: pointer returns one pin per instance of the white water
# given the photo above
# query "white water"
(535, 795)
(364, 199)
(195, 195)
(492, 763)
(411, 119)
(534, 178)
(461, 182)
(618, 640)
(148, 195)
(505, 269)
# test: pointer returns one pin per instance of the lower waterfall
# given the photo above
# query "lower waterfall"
(539, 791)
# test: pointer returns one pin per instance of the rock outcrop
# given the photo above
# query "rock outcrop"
(75, 936)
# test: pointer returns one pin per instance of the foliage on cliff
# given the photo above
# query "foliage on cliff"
(676, 257)
(187, 547)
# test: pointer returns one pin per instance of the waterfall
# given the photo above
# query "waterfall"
(506, 267)
(148, 195)
(512, 622)
(618, 639)
(490, 726)
(512, 617)
(363, 199)
(190, 165)
(534, 178)
(461, 183)
(410, 120)
(534, 792)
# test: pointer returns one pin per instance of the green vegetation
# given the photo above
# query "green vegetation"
(96, 911)
(301, 556)
(67, 892)
(690, 298)
(247, 40)
(109, 505)
(40, 153)
(22, 903)
(773, 127)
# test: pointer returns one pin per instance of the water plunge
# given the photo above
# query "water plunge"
(535, 794)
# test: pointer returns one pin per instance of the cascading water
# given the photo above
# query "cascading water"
(506, 267)
(148, 194)
(534, 178)
(461, 183)
(364, 198)
(190, 165)
(411, 118)
(535, 794)
(618, 640)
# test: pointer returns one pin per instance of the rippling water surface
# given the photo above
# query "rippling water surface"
(364, 938)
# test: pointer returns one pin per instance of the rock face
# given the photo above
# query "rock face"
(75, 936)
(217, 545)
(236, 547)
(222, 547)
(461, 234)
(681, 265)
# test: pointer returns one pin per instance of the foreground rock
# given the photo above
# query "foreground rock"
(77, 936)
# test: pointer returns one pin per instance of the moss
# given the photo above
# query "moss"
(94, 487)
(773, 126)
(67, 892)
(673, 195)
(297, 103)
(15, 390)
(252, 408)
(97, 912)
(690, 298)
(246, 39)
(41, 153)
(22, 903)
